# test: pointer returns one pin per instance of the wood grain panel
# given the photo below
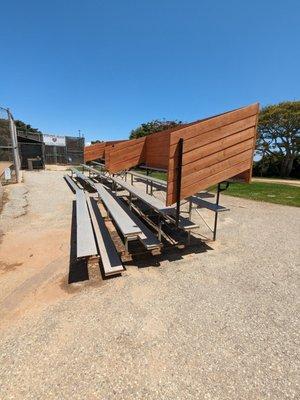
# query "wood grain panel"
(204, 151)
(216, 134)
(191, 180)
(192, 168)
(97, 151)
(94, 152)
(157, 149)
(209, 181)
(218, 147)
(126, 155)
(212, 123)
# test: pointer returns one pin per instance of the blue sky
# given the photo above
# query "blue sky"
(106, 66)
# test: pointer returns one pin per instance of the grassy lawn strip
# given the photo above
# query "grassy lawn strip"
(260, 191)
(269, 192)
(153, 174)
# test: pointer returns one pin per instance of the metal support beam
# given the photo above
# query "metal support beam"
(126, 246)
(190, 209)
(14, 141)
(178, 178)
(159, 228)
(219, 190)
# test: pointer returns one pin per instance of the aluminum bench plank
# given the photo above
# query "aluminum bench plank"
(71, 183)
(147, 237)
(127, 226)
(97, 163)
(82, 176)
(206, 204)
(148, 178)
(153, 202)
(86, 245)
(184, 223)
(94, 170)
(110, 259)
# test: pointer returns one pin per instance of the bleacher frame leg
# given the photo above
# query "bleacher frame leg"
(189, 237)
(219, 190)
(190, 209)
(178, 179)
(159, 228)
(130, 201)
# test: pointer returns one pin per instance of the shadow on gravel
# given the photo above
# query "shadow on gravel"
(78, 270)
(169, 253)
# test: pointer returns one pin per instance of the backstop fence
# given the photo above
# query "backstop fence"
(9, 154)
(71, 152)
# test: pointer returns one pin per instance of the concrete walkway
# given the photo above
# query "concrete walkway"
(292, 182)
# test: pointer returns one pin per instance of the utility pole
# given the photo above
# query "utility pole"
(14, 140)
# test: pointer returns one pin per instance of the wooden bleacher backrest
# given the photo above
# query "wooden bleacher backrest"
(94, 151)
(215, 149)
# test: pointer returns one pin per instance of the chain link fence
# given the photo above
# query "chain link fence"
(9, 154)
(71, 153)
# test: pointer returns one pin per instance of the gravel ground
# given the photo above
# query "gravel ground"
(217, 324)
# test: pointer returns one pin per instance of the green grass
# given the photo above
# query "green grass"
(154, 174)
(268, 192)
(260, 191)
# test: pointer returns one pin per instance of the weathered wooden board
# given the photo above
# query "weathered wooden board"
(110, 259)
(214, 149)
(97, 151)
(94, 152)
(126, 155)
(157, 149)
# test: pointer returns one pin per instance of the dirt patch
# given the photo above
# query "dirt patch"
(4, 267)
(34, 255)
(3, 198)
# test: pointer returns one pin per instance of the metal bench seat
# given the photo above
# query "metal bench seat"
(86, 245)
(125, 223)
(206, 204)
(151, 201)
(147, 178)
(91, 169)
(109, 257)
(184, 223)
(147, 237)
(168, 212)
(83, 177)
(71, 183)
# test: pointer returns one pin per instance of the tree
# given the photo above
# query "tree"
(152, 127)
(22, 127)
(96, 141)
(279, 134)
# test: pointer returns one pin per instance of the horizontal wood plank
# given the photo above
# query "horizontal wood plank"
(214, 123)
(203, 139)
(191, 168)
(192, 180)
(211, 180)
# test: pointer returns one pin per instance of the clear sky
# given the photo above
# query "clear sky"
(106, 66)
